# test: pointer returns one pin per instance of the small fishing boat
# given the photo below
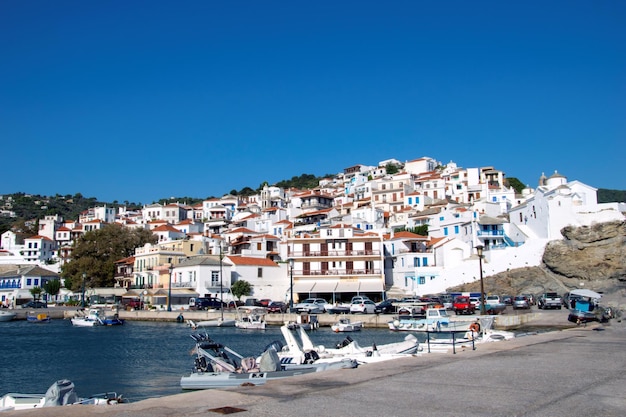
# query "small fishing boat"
(437, 320)
(7, 315)
(345, 325)
(96, 317)
(219, 322)
(33, 317)
(251, 318)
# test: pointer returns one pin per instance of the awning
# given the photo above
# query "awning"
(348, 286)
(303, 286)
(586, 293)
(371, 286)
(323, 286)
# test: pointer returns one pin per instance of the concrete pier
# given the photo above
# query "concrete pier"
(572, 372)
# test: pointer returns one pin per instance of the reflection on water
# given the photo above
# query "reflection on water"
(138, 360)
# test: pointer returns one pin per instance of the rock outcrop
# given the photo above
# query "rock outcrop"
(592, 257)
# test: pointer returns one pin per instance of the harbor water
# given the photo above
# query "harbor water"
(138, 360)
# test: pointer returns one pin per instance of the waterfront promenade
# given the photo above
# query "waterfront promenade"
(572, 372)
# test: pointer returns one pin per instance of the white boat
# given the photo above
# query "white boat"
(7, 315)
(251, 318)
(219, 322)
(217, 366)
(345, 325)
(304, 351)
(59, 394)
(91, 319)
(436, 320)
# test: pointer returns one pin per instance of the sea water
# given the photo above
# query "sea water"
(138, 360)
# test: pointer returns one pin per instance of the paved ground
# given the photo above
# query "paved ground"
(573, 372)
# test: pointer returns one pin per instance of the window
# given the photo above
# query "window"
(416, 262)
(29, 281)
(456, 230)
(215, 278)
(410, 201)
(445, 231)
(422, 280)
(259, 273)
(425, 261)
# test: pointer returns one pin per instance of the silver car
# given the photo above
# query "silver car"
(520, 302)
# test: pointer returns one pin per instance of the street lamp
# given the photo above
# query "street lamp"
(221, 283)
(291, 262)
(82, 303)
(169, 290)
(479, 252)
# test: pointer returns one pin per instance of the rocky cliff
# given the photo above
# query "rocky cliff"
(592, 257)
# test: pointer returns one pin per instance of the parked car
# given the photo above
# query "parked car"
(463, 305)
(253, 302)
(531, 299)
(265, 302)
(134, 302)
(35, 304)
(277, 307)
(206, 303)
(520, 301)
(312, 305)
(363, 307)
(549, 300)
(386, 307)
(507, 299)
(359, 298)
(493, 299)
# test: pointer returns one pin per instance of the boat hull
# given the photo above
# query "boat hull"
(7, 315)
(208, 380)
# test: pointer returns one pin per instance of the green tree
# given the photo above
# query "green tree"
(52, 287)
(391, 168)
(96, 252)
(241, 288)
(517, 185)
(36, 292)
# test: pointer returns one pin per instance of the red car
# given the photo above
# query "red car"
(277, 307)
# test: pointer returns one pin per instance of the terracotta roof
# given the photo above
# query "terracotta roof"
(247, 260)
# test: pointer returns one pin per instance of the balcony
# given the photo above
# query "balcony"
(335, 253)
(182, 285)
(336, 272)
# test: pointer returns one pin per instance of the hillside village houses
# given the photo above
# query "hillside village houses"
(350, 235)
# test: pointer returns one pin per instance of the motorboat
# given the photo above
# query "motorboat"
(217, 366)
(60, 393)
(345, 325)
(112, 320)
(305, 321)
(32, 317)
(251, 318)
(7, 315)
(219, 322)
(304, 351)
(436, 320)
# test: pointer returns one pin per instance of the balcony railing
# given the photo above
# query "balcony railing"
(337, 272)
(336, 253)
(490, 232)
(182, 285)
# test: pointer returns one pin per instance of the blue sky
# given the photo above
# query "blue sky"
(141, 100)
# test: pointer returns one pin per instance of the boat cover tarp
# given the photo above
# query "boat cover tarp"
(60, 393)
(583, 292)
(269, 362)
